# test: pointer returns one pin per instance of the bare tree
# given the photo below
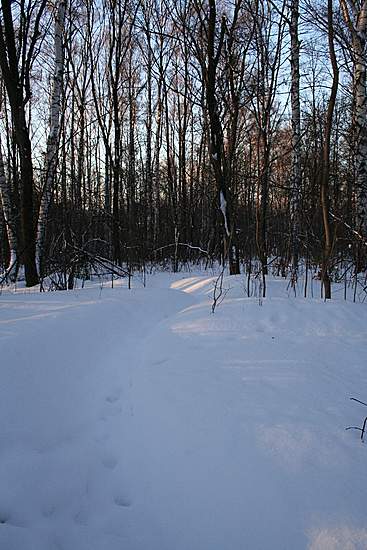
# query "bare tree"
(325, 199)
(16, 75)
(209, 47)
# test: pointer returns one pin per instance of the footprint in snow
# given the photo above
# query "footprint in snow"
(122, 501)
(160, 361)
(81, 518)
(108, 413)
(48, 511)
(113, 396)
(109, 462)
(8, 518)
(102, 437)
(4, 517)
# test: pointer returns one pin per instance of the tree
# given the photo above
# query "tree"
(10, 222)
(296, 136)
(16, 75)
(53, 137)
(325, 199)
(355, 17)
(209, 48)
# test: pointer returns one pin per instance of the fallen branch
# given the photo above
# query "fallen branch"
(183, 244)
(104, 262)
(360, 237)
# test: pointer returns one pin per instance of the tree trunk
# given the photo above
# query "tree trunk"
(18, 95)
(325, 276)
(296, 138)
(10, 223)
(355, 16)
(53, 137)
(216, 138)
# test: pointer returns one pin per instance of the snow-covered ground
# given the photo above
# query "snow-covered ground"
(138, 420)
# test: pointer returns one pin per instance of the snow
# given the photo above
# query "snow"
(223, 207)
(138, 420)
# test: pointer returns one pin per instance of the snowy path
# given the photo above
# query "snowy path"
(139, 421)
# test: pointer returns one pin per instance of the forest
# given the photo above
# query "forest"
(183, 274)
(150, 132)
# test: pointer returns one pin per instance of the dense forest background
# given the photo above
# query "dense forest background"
(143, 131)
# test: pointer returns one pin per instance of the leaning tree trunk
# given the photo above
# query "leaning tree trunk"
(10, 223)
(53, 137)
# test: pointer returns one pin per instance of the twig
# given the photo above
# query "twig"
(218, 293)
(182, 244)
(358, 401)
(362, 430)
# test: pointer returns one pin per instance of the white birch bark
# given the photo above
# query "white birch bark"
(10, 223)
(359, 49)
(355, 16)
(223, 208)
(296, 134)
(53, 137)
(156, 175)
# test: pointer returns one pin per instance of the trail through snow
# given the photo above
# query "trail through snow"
(137, 420)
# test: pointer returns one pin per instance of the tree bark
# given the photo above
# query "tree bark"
(296, 137)
(18, 90)
(355, 16)
(325, 199)
(53, 137)
(10, 223)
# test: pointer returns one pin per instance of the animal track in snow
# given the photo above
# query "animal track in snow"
(109, 462)
(81, 518)
(102, 437)
(4, 517)
(122, 501)
(113, 396)
(160, 361)
(110, 412)
(48, 511)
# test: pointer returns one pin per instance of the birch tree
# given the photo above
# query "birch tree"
(355, 16)
(53, 137)
(296, 136)
(10, 223)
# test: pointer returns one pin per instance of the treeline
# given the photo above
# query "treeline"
(151, 130)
